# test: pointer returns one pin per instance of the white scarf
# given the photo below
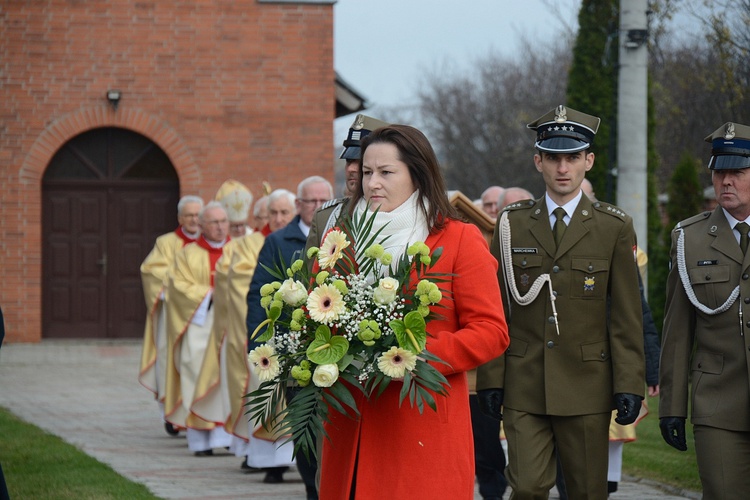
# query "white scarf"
(404, 225)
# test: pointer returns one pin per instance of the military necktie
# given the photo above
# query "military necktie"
(559, 228)
(743, 228)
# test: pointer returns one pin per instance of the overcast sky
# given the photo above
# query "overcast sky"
(383, 47)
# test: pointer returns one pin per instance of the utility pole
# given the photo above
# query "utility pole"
(632, 119)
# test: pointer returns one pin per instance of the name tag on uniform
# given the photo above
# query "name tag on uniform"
(707, 262)
(524, 250)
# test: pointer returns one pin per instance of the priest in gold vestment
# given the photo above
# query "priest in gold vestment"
(190, 315)
(225, 375)
(154, 271)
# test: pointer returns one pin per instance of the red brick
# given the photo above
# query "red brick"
(227, 89)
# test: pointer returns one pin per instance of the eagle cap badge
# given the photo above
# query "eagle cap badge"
(561, 114)
(729, 131)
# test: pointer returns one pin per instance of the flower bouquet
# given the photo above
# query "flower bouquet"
(352, 321)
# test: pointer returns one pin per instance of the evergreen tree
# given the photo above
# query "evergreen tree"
(592, 88)
(658, 247)
(685, 191)
(592, 84)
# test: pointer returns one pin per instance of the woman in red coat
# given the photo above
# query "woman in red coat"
(391, 451)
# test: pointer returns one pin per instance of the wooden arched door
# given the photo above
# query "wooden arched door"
(106, 195)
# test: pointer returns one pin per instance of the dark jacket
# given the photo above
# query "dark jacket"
(280, 249)
(651, 344)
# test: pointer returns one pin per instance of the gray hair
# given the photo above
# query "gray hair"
(188, 199)
(314, 179)
(263, 200)
(281, 193)
(209, 206)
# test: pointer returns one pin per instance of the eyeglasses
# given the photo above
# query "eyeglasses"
(316, 202)
(216, 222)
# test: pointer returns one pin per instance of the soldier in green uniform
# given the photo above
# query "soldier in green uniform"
(706, 337)
(352, 153)
(569, 279)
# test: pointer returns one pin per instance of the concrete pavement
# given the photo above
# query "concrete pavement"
(86, 392)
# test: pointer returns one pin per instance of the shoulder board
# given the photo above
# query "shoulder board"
(610, 209)
(692, 220)
(519, 205)
(333, 203)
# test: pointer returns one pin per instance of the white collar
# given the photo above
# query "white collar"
(569, 207)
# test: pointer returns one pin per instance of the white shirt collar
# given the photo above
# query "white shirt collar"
(304, 228)
(569, 207)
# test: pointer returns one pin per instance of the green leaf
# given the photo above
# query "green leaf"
(342, 394)
(436, 256)
(268, 334)
(274, 313)
(333, 402)
(404, 389)
(345, 362)
(327, 349)
(410, 332)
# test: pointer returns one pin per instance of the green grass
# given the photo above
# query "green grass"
(37, 464)
(650, 457)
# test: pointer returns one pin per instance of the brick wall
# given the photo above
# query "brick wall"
(227, 88)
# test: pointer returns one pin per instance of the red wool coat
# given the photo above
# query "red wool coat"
(398, 451)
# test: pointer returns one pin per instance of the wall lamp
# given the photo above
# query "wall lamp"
(113, 96)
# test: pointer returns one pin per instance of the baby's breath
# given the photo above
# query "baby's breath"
(352, 341)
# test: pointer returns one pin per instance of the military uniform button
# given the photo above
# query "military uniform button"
(708, 277)
(555, 269)
(747, 300)
(554, 292)
(591, 268)
(747, 324)
(523, 262)
(745, 276)
(551, 319)
(550, 344)
(603, 355)
(700, 365)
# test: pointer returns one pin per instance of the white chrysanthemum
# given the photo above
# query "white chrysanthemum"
(325, 304)
(325, 375)
(396, 362)
(332, 248)
(293, 292)
(386, 291)
(265, 363)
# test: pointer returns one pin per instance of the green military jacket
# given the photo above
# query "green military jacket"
(325, 218)
(707, 342)
(599, 349)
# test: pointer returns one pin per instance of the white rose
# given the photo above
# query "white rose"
(293, 292)
(325, 375)
(386, 291)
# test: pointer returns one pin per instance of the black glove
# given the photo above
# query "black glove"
(673, 432)
(628, 407)
(491, 402)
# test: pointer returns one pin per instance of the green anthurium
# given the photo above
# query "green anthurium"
(270, 330)
(274, 312)
(327, 349)
(410, 332)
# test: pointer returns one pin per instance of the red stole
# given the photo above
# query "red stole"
(184, 237)
(213, 254)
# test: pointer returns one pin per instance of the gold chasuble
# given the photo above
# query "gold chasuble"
(244, 261)
(154, 271)
(224, 374)
(189, 318)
